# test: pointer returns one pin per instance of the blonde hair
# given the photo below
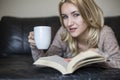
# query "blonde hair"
(92, 15)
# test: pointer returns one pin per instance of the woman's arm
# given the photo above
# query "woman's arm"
(53, 50)
(56, 48)
(110, 48)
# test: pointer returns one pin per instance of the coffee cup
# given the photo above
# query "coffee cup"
(42, 36)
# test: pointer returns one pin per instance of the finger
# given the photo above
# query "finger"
(31, 41)
(68, 59)
(33, 44)
(31, 35)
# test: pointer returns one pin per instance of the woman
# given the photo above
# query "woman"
(82, 29)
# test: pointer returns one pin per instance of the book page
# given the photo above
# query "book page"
(83, 56)
(55, 62)
(87, 62)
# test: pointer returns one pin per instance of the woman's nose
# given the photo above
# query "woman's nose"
(70, 21)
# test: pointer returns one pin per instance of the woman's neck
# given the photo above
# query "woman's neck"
(82, 40)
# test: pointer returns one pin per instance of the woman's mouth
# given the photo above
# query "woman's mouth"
(72, 29)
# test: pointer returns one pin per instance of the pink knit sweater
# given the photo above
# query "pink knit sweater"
(107, 46)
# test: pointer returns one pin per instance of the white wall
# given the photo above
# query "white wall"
(39, 8)
(109, 7)
(28, 8)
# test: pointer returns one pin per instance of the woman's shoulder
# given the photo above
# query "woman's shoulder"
(106, 30)
(60, 30)
(106, 34)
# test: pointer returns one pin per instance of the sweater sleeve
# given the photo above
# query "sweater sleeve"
(56, 48)
(110, 48)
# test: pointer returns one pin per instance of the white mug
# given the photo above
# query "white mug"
(42, 36)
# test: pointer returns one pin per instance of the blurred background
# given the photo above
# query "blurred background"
(41, 8)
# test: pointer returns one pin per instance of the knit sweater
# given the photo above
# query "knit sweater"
(107, 46)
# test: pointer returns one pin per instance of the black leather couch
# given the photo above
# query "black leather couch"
(15, 54)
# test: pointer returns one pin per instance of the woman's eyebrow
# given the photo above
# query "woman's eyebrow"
(74, 12)
(71, 12)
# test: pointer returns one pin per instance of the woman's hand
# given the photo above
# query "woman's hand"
(68, 59)
(31, 39)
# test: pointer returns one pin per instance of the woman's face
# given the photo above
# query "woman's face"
(72, 20)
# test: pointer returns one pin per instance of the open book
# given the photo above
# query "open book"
(60, 64)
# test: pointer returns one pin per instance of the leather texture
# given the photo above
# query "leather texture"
(14, 33)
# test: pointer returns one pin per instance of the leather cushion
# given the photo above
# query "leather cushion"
(14, 33)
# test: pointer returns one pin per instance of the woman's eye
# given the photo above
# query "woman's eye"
(76, 15)
(64, 17)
